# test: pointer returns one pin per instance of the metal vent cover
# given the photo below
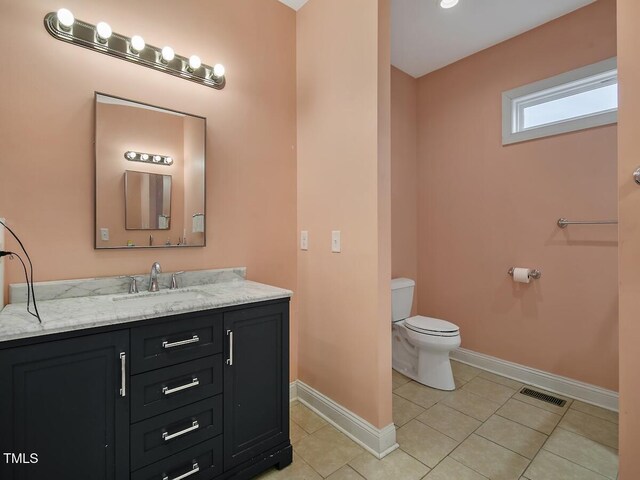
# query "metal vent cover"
(543, 396)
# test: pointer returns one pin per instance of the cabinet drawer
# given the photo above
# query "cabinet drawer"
(159, 437)
(159, 391)
(202, 462)
(175, 341)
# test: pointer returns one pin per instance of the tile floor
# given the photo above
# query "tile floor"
(484, 430)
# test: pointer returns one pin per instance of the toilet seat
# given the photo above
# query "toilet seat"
(432, 326)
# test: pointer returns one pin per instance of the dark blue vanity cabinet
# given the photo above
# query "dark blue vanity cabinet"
(196, 396)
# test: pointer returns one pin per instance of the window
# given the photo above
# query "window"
(583, 98)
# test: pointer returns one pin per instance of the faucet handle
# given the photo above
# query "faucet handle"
(174, 280)
(133, 286)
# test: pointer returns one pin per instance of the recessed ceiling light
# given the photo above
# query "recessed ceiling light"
(448, 3)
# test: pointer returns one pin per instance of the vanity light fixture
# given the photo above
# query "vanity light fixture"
(148, 158)
(448, 3)
(194, 63)
(167, 54)
(137, 44)
(100, 38)
(103, 32)
(65, 19)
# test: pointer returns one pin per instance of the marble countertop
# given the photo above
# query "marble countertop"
(69, 314)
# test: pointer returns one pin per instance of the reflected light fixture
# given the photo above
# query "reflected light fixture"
(448, 3)
(63, 26)
(148, 158)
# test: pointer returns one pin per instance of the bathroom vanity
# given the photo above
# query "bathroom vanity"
(192, 384)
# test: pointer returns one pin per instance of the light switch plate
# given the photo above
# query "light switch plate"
(304, 240)
(335, 241)
(104, 234)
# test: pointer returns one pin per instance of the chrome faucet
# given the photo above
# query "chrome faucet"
(153, 278)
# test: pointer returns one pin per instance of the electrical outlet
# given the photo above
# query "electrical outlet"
(304, 240)
(335, 241)
(104, 234)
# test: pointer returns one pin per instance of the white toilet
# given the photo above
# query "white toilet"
(421, 345)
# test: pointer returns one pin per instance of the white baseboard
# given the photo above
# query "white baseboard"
(554, 383)
(378, 442)
(293, 391)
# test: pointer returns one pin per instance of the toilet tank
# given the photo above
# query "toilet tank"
(401, 298)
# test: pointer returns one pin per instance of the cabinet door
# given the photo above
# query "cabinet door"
(62, 401)
(256, 381)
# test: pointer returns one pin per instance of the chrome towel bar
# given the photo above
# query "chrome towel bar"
(563, 222)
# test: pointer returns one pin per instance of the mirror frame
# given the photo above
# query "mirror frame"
(95, 174)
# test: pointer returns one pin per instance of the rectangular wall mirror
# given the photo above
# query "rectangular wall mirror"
(150, 176)
(147, 201)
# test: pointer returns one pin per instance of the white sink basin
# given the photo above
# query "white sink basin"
(163, 296)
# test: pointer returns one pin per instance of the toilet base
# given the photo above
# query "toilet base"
(434, 370)
(429, 366)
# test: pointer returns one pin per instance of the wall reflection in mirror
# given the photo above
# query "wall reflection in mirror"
(152, 201)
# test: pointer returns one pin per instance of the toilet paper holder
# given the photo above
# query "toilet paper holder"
(535, 274)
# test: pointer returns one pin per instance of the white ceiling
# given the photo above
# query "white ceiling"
(295, 4)
(425, 37)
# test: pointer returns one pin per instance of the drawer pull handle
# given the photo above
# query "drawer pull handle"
(168, 391)
(230, 359)
(166, 344)
(194, 469)
(170, 436)
(123, 374)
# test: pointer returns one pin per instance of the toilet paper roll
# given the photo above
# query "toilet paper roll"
(521, 275)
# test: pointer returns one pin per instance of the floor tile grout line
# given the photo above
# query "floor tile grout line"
(594, 416)
(558, 427)
(574, 463)
(560, 456)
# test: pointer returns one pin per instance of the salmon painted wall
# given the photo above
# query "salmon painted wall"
(343, 184)
(629, 231)
(46, 186)
(484, 208)
(404, 177)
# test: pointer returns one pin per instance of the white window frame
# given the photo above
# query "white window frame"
(576, 81)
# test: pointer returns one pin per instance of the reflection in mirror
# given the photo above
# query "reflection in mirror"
(147, 201)
(138, 193)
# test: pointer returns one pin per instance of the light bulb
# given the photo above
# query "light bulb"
(194, 62)
(131, 155)
(168, 160)
(144, 157)
(218, 70)
(157, 158)
(104, 30)
(168, 54)
(137, 43)
(65, 18)
(448, 3)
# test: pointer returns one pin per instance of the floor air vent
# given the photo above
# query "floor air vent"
(543, 396)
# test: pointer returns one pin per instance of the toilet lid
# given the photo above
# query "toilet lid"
(432, 326)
